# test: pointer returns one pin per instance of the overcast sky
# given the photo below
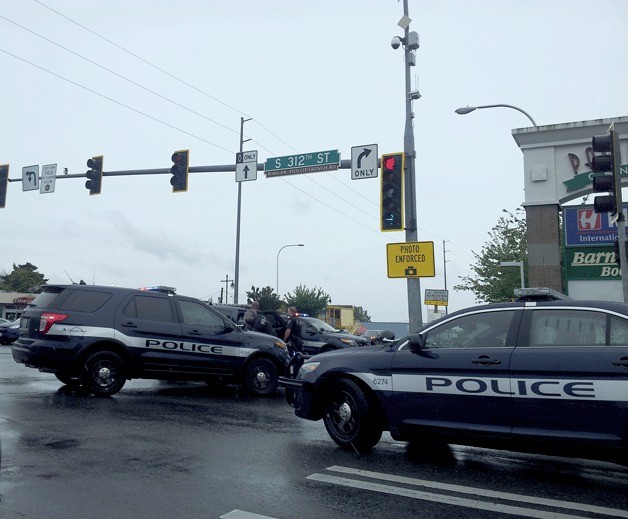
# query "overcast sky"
(101, 77)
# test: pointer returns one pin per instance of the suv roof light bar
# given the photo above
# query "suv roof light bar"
(159, 288)
(538, 294)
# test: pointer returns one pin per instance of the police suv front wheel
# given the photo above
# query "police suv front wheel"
(349, 418)
(261, 377)
(103, 374)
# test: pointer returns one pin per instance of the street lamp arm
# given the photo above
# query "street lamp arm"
(469, 109)
(282, 248)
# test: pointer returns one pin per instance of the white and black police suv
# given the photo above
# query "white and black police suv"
(534, 375)
(100, 337)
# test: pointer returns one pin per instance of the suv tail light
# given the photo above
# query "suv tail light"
(48, 319)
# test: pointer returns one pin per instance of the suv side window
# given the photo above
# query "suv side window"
(619, 331)
(480, 330)
(150, 309)
(196, 314)
(85, 301)
(568, 327)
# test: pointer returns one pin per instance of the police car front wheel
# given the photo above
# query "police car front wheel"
(261, 377)
(103, 374)
(349, 418)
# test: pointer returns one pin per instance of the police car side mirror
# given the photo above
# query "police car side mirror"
(416, 342)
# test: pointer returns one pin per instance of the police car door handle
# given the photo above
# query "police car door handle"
(485, 360)
(622, 362)
(129, 324)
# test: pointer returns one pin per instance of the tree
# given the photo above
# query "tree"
(308, 301)
(361, 315)
(492, 282)
(22, 278)
(265, 297)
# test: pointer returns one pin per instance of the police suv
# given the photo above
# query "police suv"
(548, 376)
(100, 337)
(319, 337)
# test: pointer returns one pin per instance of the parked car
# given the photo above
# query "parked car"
(100, 336)
(9, 331)
(236, 314)
(539, 375)
(319, 337)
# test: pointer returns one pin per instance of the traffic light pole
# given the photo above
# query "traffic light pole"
(621, 219)
(414, 284)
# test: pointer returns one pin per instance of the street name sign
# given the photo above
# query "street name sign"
(48, 178)
(411, 259)
(30, 178)
(436, 297)
(364, 161)
(246, 166)
(304, 163)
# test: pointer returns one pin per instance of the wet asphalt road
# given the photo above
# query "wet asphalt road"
(163, 450)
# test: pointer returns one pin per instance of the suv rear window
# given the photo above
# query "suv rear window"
(45, 299)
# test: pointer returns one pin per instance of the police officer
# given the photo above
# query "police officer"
(293, 330)
(250, 315)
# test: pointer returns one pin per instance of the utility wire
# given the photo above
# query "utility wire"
(119, 75)
(188, 109)
(115, 101)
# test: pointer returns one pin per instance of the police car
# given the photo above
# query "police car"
(540, 375)
(101, 336)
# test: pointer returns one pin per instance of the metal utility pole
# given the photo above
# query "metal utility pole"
(236, 281)
(410, 44)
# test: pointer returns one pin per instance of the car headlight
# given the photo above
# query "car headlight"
(348, 341)
(281, 344)
(308, 367)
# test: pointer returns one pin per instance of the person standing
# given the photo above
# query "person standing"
(293, 330)
(250, 315)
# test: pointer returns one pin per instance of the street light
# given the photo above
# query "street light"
(515, 264)
(468, 109)
(282, 248)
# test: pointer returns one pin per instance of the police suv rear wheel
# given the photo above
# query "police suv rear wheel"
(349, 417)
(261, 377)
(103, 374)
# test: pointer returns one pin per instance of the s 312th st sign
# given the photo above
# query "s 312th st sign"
(302, 163)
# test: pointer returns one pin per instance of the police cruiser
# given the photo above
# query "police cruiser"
(99, 337)
(538, 374)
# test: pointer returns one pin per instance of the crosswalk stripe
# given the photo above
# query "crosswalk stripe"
(481, 492)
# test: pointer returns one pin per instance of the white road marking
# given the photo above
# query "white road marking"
(241, 514)
(482, 492)
(460, 501)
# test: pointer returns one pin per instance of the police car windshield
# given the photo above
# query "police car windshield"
(318, 324)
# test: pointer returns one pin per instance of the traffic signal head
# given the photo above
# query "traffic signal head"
(179, 170)
(94, 175)
(4, 180)
(392, 215)
(606, 178)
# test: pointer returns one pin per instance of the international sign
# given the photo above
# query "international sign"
(586, 228)
(303, 163)
(436, 297)
(411, 260)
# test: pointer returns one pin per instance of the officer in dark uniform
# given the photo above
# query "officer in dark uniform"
(293, 330)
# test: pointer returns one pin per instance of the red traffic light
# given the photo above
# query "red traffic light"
(390, 163)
